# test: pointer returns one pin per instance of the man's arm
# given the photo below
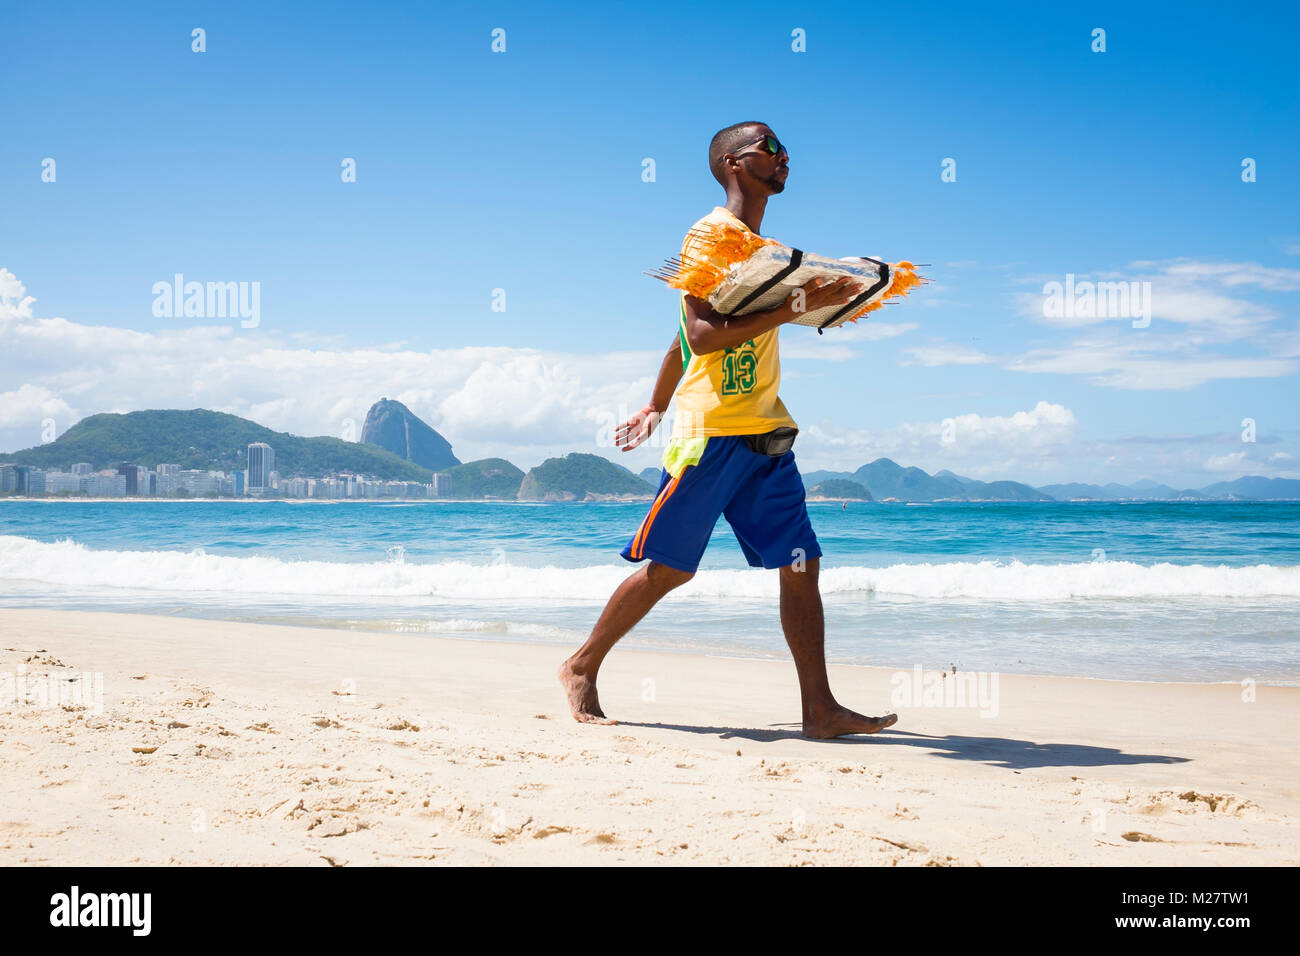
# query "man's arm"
(708, 331)
(670, 376)
(640, 426)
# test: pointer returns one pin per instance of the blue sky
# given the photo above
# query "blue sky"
(522, 170)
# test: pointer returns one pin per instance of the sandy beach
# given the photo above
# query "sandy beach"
(227, 743)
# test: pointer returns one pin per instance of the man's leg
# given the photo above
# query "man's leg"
(805, 631)
(629, 603)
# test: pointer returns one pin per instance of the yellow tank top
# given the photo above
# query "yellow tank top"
(731, 391)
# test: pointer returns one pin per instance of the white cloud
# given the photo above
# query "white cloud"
(1041, 446)
(1129, 364)
(14, 301)
(1236, 273)
(30, 405)
(834, 344)
(946, 353)
(982, 446)
(1230, 462)
(484, 400)
(1220, 316)
(1182, 291)
(1194, 305)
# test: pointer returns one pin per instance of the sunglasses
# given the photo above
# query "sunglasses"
(770, 143)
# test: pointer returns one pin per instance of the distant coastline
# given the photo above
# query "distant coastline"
(199, 454)
(635, 499)
(240, 499)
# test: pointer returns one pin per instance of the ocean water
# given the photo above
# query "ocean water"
(1142, 591)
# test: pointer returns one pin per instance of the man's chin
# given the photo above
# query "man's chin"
(776, 185)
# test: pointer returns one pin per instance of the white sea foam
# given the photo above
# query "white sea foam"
(72, 567)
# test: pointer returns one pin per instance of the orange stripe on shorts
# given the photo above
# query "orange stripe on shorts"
(638, 543)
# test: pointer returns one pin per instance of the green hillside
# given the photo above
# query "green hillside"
(199, 438)
(485, 478)
(840, 488)
(576, 475)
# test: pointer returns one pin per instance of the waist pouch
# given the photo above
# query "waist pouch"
(774, 443)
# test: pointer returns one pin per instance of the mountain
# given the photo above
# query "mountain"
(485, 478)
(887, 479)
(393, 426)
(1256, 487)
(839, 488)
(1075, 489)
(993, 490)
(1002, 491)
(884, 478)
(1146, 484)
(651, 475)
(960, 479)
(577, 477)
(1145, 490)
(811, 478)
(202, 439)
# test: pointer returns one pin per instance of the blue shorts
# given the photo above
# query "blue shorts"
(761, 497)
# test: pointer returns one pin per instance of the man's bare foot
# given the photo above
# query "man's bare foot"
(581, 691)
(841, 721)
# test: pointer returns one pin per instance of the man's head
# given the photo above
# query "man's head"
(741, 154)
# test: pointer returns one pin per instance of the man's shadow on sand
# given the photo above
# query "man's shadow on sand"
(994, 751)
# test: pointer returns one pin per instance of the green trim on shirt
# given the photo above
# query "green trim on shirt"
(681, 331)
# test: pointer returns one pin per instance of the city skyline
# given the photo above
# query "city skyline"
(167, 479)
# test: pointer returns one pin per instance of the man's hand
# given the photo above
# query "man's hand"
(819, 293)
(708, 331)
(637, 428)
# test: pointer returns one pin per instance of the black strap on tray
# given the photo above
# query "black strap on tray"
(864, 297)
(796, 257)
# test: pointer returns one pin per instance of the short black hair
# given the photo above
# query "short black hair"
(727, 141)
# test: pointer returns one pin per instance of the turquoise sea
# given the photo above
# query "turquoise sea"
(1145, 591)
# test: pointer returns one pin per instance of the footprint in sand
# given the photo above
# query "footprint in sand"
(548, 831)
(1219, 802)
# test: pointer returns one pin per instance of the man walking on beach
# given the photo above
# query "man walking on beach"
(729, 455)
